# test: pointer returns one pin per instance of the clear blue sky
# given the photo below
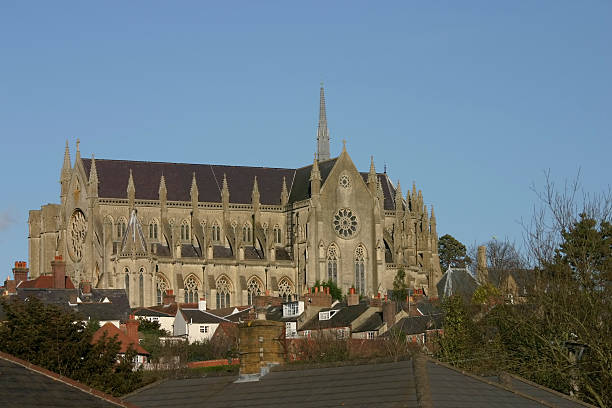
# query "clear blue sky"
(471, 99)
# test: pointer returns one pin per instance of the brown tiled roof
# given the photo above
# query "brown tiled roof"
(113, 179)
(45, 282)
(24, 384)
(111, 331)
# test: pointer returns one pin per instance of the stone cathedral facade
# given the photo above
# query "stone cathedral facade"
(229, 233)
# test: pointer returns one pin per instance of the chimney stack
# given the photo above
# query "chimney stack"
(58, 268)
(131, 326)
(20, 272)
(259, 347)
(202, 304)
(388, 309)
(86, 287)
(352, 298)
(169, 297)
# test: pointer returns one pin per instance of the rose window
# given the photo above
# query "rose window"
(345, 223)
(77, 230)
(345, 181)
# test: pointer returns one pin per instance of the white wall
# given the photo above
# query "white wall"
(195, 333)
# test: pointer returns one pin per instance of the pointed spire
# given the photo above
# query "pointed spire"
(225, 190)
(93, 171)
(315, 174)
(162, 188)
(322, 131)
(66, 166)
(194, 188)
(380, 193)
(398, 196)
(131, 191)
(372, 174)
(284, 193)
(255, 193)
(433, 216)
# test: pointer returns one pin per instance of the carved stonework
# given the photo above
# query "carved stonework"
(77, 231)
(345, 223)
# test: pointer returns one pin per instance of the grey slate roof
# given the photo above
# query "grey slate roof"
(457, 281)
(198, 316)
(373, 322)
(343, 318)
(26, 385)
(419, 324)
(144, 311)
(366, 385)
(118, 307)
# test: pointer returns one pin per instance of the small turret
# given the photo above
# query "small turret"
(65, 174)
(398, 198)
(225, 194)
(284, 193)
(78, 151)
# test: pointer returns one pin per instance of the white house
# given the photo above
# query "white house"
(196, 324)
(165, 320)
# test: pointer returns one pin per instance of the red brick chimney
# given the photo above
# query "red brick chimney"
(20, 272)
(86, 287)
(131, 327)
(169, 297)
(388, 309)
(352, 298)
(58, 268)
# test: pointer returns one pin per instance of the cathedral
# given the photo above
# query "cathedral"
(229, 233)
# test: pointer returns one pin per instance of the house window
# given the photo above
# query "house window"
(370, 335)
(191, 290)
(254, 290)
(341, 333)
(223, 293)
(360, 270)
(291, 309)
(203, 329)
(290, 329)
(332, 263)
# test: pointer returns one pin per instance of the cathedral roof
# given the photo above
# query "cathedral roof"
(113, 176)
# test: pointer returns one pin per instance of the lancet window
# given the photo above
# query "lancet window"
(360, 282)
(162, 288)
(332, 263)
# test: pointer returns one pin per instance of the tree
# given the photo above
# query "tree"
(400, 287)
(59, 341)
(452, 253)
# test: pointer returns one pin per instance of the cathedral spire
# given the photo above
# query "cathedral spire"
(372, 176)
(78, 151)
(322, 131)
(66, 166)
(284, 193)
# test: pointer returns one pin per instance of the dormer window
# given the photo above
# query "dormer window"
(293, 309)
(327, 315)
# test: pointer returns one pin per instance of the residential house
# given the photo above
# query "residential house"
(196, 324)
(128, 338)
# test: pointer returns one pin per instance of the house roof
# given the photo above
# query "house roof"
(343, 318)
(373, 322)
(111, 331)
(199, 316)
(366, 385)
(44, 282)
(457, 281)
(146, 311)
(92, 307)
(27, 385)
(419, 324)
(228, 311)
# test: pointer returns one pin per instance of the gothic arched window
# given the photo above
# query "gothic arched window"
(360, 282)
(162, 288)
(285, 289)
(141, 287)
(191, 290)
(246, 233)
(332, 263)
(127, 282)
(153, 229)
(185, 236)
(277, 234)
(223, 292)
(216, 232)
(254, 289)
(121, 228)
